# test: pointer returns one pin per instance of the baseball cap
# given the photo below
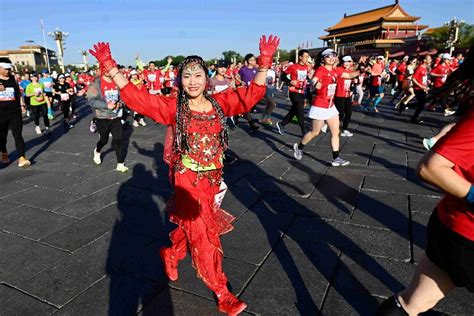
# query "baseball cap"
(222, 63)
(328, 51)
(5, 63)
(347, 58)
(60, 76)
(405, 57)
(133, 72)
(446, 56)
(33, 74)
(380, 57)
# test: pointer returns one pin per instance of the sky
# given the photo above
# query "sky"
(155, 29)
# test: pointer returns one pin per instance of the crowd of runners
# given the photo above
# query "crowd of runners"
(324, 88)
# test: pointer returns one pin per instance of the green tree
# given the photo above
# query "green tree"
(230, 54)
(440, 35)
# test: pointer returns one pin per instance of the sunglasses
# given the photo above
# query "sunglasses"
(330, 56)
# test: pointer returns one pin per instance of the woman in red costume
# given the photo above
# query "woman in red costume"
(195, 143)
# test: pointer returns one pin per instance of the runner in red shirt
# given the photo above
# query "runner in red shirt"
(343, 94)
(152, 78)
(376, 89)
(448, 261)
(400, 71)
(439, 75)
(420, 86)
(322, 108)
(392, 69)
(297, 84)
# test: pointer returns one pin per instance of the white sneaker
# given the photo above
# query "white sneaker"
(142, 122)
(298, 153)
(135, 124)
(38, 130)
(448, 112)
(121, 167)
(339, 162)
(93, 127)
(28, 113)
(346, 133)
(280, 128)
(324, 128)
(122, 121)
(96, 158)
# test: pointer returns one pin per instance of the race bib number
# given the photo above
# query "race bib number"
(425, 80)
(301, 75)
(347, 85)
(64, 96)
(221, 88)
(331, 90)
(151, 77)
(38, 91)
(111, 96)
(48, 84)
(8, 94)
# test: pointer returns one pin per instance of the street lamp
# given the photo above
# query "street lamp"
(453, 33)
(84, 56)
(333, 42)
(59, 38)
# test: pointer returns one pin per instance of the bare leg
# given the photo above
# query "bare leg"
(443, 131)
(428, 286)
(315, 130)
(333, 124)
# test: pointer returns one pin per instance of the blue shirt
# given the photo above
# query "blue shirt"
(23, 84)
(48, 83)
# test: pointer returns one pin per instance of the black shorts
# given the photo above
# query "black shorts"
(374, 90)
(49, 94)
(451, 252)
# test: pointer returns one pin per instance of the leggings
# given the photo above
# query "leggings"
(65, 108)
(344, 107)
(420, 102)
(38, 111)
(14, 122)
(297, 108)
(114, 126)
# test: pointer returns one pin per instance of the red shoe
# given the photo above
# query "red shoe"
(170, 265)
(228, 304)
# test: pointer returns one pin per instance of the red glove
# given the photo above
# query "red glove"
(267, 49)
(104, 57)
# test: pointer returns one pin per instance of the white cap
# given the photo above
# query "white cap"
(347, 58)
(380, 57)
(328, 51)
(60, 76)
(446, 56)
(133, 72)
(6, 65)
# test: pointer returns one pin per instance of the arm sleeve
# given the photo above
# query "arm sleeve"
(160, 108)
(458, 144)
(240, 100)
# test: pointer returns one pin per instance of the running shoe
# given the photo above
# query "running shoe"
(38, 130)
(135, 124)
(228, 304)
(23, 162)
(339, 162)
(346, 133)
(121, 167)
(46, 131)
(294, 119)
(298, 153)
(324, 128)
(96, 158)
(93, 127)
(142, 122)
(281, 128)
(448, 112)
(428, 143)
(5, 159)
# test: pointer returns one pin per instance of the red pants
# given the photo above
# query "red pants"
(200, 223)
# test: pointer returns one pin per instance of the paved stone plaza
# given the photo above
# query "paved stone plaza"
(81, 239)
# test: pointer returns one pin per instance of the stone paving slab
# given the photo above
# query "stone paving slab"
(309, 238)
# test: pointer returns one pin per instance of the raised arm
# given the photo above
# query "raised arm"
(161, 109)
(241, 100)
